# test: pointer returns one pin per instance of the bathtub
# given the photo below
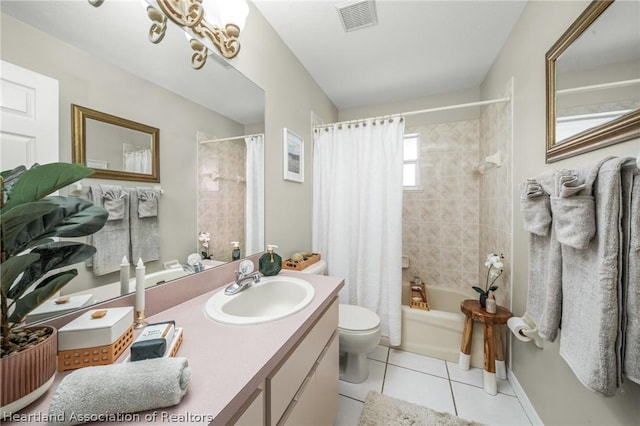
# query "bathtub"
(438, 332)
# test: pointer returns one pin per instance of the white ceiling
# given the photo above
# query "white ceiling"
(418, 48)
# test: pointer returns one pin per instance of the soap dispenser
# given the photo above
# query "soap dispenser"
(270, 263)
(235, 253)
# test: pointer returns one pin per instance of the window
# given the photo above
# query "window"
(411, 167)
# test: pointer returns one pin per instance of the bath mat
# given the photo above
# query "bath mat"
(382, 410)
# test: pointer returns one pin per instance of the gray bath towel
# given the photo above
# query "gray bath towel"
(147, 202)
(145, 231)
(545, 265)
(567, 183)
(112, 241)
(631, 283)
(574, 217)
(114, 201)
(129, 387)
(574, 220)
(590, 291)
(544, 299)
(535, 207)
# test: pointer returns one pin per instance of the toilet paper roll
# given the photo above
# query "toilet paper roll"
(517, 325)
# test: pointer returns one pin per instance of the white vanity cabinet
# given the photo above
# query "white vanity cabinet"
(304, 388)
(252, 414)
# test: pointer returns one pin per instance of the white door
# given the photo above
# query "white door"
(28, 117)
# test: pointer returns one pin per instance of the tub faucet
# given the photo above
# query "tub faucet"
(192, 269)
(242, 282)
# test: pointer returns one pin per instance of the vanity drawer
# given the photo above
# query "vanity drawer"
(284, 383)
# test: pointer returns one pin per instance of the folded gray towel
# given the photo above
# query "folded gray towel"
(574, 220)
(114, 201)
(112, 241)
(535, 207)
(145, 232)
(147, 202)
(119, 388)
(568, 184)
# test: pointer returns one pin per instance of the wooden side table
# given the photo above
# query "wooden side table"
(493, 350)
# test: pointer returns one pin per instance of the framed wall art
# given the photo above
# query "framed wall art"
(293, 148)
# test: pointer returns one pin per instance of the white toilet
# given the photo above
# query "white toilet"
(358, 334)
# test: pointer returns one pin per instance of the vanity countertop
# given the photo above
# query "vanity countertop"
(228, 362)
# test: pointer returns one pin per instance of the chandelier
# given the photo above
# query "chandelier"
(217, 21)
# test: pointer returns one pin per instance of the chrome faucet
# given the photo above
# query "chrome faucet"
(242, 282)
(192, 269)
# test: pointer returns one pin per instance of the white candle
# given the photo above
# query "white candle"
(140, 285)
(124, 276)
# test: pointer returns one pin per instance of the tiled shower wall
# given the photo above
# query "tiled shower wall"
(496, 185)
(440, 221)
(458, 216)
(221, 202)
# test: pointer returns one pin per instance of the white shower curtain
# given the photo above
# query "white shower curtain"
(138, 161)
(254, 208)
(357, 213)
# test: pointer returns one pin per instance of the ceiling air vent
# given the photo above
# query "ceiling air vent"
(358, 14)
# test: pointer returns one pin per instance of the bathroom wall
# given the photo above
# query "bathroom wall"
(291, 96)
(221, 197)
(553, 389)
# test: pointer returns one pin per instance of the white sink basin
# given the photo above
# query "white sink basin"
(270, 299)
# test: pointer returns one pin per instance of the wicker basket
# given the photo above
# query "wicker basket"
(98, 355)
(302, 264)
(418, 299)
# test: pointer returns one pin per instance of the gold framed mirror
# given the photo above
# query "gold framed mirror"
(116, 148)
(593, 81)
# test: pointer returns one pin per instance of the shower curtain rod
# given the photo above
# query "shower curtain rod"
(423, 111)
(231, 138)
(611, 85)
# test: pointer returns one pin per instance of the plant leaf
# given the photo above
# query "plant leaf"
(72, 217)
(37, 297)
(52, 256)
(16, 219)
(40, 181)
(11, 268)
(478, 289)
(9, 178)
(493, 288)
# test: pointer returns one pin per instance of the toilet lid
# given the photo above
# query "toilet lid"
(357, 318)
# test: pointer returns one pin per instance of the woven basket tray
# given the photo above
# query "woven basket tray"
(98, 355)
(419, 297)
(299, 266)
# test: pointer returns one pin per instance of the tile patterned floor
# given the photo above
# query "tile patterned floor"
(433, 383)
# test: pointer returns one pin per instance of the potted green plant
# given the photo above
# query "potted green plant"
(495, 269)
(31, 255)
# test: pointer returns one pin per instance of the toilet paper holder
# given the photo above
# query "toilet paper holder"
(524, 330)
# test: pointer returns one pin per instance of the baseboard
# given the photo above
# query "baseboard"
(524, 399)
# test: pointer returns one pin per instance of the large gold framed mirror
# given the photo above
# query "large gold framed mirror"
(593, 81)
(116, 148)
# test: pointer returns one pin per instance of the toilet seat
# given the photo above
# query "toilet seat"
(355, 319)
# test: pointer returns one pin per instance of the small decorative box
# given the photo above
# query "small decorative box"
(97, 337)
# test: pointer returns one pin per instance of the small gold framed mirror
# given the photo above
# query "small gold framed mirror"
(116, 148)
(593, 81)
